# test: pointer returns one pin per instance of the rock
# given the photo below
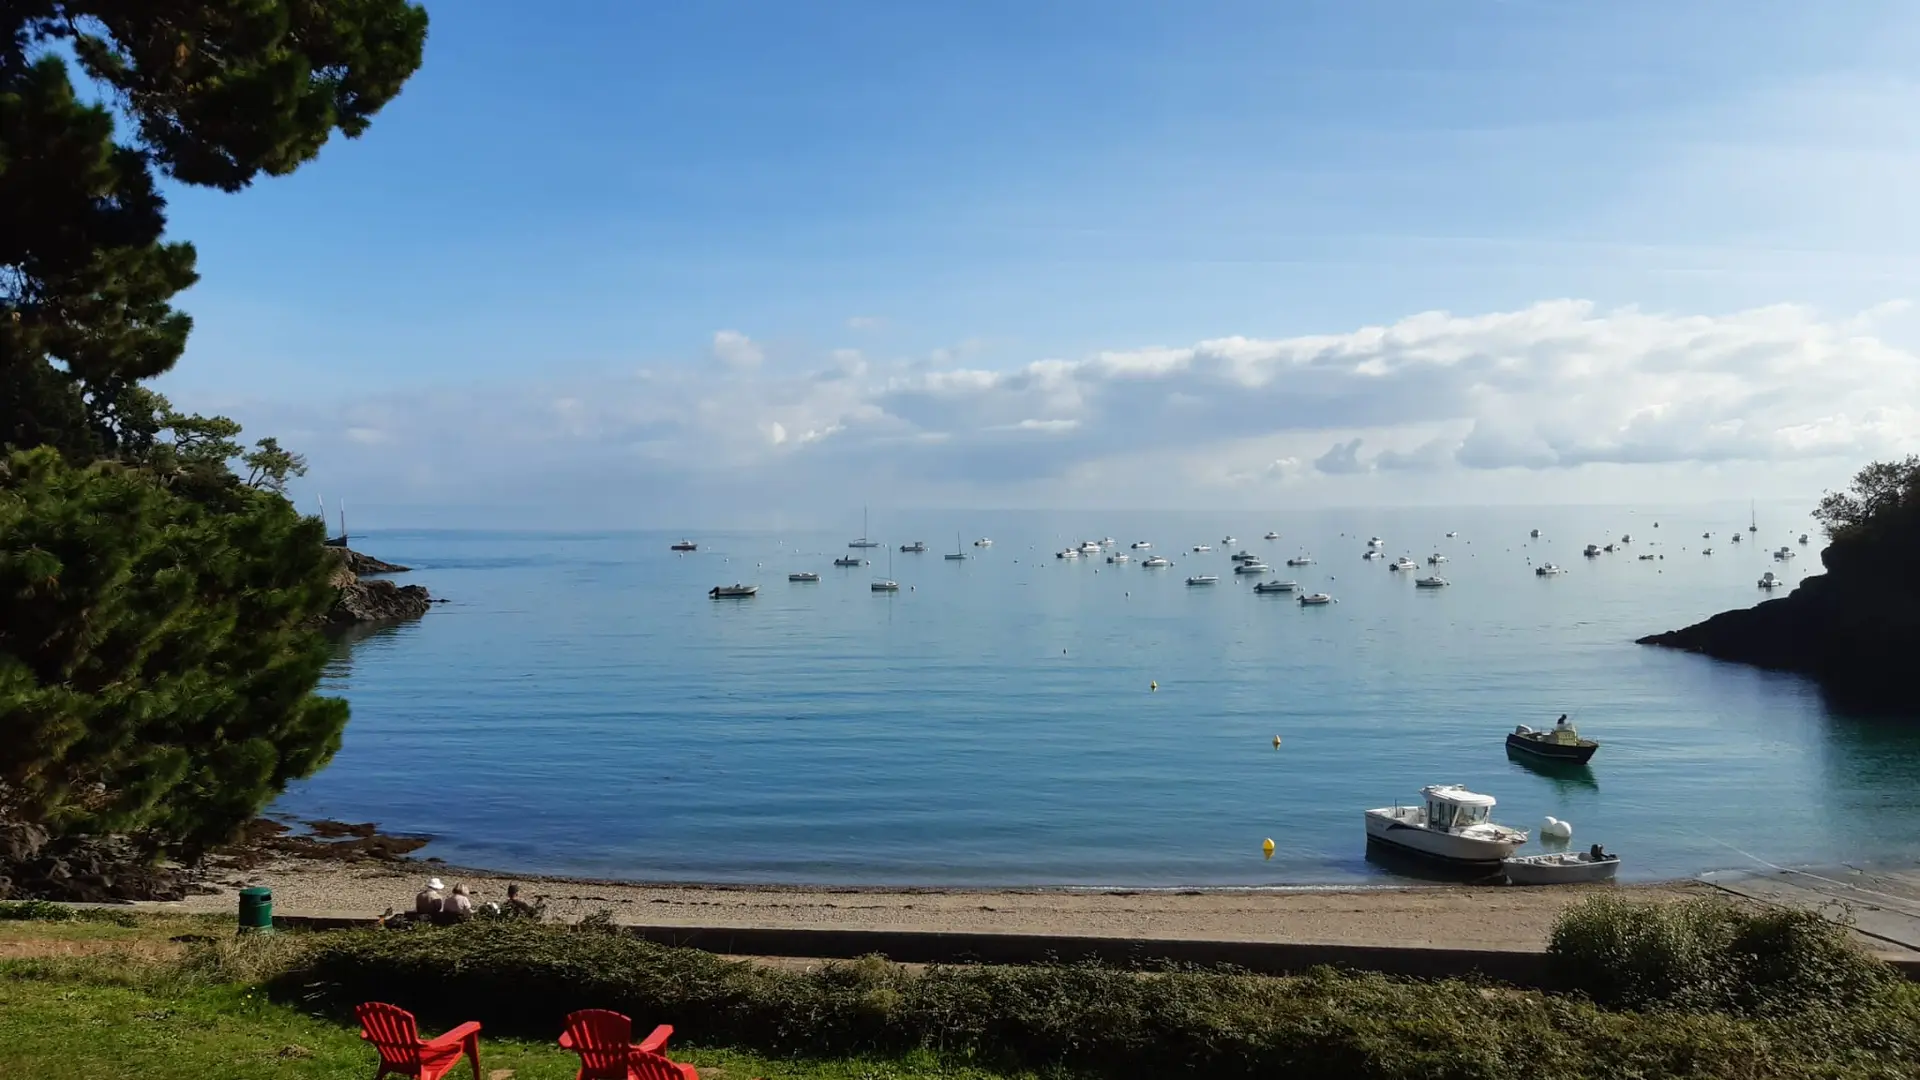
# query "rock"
(1853, 629)
(373, 600)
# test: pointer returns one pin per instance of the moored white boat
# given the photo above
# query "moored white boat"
(1592, 551)
(1434, 581)
(1373, 553)
(1198, 548)
(1255, 567)
(886, 586)
(1784, 553)
(1271, 535)
(1227, 541)
(732, 592)
(1243, 555)
(1203, 579)
(804, 575)
(1436, 559)
(1067, 553)
(1154, 562)
(1535, 534)
(1768, 581)
(915, 548)
(1090, 547)
(1803, 538)
(849, 560)
(1300, 560)
(1452, 824)
(983, 542)
(1560, 868)
(1374, 541)
(1547, 570)
(1142, 545)
(1277, 586)
(1315, 599)
(1119, 557)
(1403, 563)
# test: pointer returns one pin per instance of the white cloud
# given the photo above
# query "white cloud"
(865, 322)
(1429, 403)
(736, 351)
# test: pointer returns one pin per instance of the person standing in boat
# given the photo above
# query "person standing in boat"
(1560, 724)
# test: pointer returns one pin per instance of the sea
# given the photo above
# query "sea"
(580, 705)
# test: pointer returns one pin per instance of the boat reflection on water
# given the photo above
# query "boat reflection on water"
(1566, 776)
(1400, 862)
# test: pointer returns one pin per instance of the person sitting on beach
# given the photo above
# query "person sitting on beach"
(458, 906)
(517, 907)
(429, 900)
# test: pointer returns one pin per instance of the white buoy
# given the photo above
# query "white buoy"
(1554, 828)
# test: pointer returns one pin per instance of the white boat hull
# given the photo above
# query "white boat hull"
(1563, 869)
(1404, 827)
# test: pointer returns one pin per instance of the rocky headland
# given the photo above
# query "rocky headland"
(1856, 627)
(359, 599)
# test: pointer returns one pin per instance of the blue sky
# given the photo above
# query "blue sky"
(650, 264)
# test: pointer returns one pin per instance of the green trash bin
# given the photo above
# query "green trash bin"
(256, 910)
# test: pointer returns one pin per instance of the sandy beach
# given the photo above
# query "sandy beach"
(1452, 917)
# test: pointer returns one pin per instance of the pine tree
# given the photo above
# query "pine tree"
(157, 662)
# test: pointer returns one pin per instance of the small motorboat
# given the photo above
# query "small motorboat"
(1374, 541)
(1436, 559)
(918, 547)
(1243, 555)
(888, 585)
(1067, 553)
(1803, 538)
(732, 592)
(1119, 557)
(685, 545)
(1561, 743)
(1735, 537)
(1141, 545)
(1547, 570)
(1277, 586)
(1300, 560)
(1451, 535)
(1204, 579)
(1228, 541)
(1403, 563)
(1373, 553)
(1198, 548)
(1768, 581)
(1091, 547)
(849, 560)
(1271, 535)
(1535, 534)
(1647, 558)
(1561, 868)
(1315, 599)
(1592, 551)
(1609, 549)
(1452, 824)
(1433, 581)
(1706, 551)
(1155, 562)
(983, 542)
(1706, 536)
(804, 575)
(1255, 567)
(1626, 538)
(1784, 553)
(1107, 541)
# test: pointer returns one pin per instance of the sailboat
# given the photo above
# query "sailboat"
(959, 552)
(334, 541)
(888, 584)
(1753, 521)
(863, 542)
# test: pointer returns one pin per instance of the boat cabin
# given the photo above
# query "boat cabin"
(1453, 807)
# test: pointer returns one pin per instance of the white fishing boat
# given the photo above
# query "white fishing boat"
(1592, 551)
(1119, 557)
(1561, 868)
(1373, 553)
(1255, 567)
(983, 542)
(1768, 581)
(1243, 555)
(1155, 562)
(1142, 545)
(1452, 824)
(1436, 559)
(1315, 599)
(1271, 535)
(1067, 553)
(732, 592)
(1300, 560)
(1203, 579)
(1091, 547)
(1403, 563)
(1374, 541)
(1785, 552)
(804, 575)
(1277, 586)
(1547, 570)
(1198, 548)
(1107, 541)
(1434, 581)
(1451, 535)
(1228, 541)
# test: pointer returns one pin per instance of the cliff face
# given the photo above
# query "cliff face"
(363, 600)
(1854, 629)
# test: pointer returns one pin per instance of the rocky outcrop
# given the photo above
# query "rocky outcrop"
(1854, 628)
(81, 869)
(371, 600)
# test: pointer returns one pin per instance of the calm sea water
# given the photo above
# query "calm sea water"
(581, 706)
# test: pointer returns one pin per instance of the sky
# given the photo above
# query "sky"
(665, 265)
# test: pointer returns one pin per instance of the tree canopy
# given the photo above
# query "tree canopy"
(1881, 493)
(158, 656)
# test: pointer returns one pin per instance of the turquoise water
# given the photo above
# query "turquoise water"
(581, 706)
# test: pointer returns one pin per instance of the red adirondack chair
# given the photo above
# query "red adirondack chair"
(604, 1041)
(392, 1031)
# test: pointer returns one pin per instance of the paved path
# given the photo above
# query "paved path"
(1883, 903)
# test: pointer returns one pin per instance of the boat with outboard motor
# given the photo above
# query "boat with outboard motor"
(1562, 742)
(1451, 824)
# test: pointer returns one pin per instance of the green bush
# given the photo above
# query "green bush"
(45, 911)
(1709, 955)
(523, 978)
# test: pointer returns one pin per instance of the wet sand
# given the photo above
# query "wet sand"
(1467, 917)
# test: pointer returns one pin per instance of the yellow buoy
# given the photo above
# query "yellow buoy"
(1153, 685)
(1267, 848)
(1276, 742)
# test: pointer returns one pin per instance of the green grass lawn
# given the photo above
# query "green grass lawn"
(114, 1017)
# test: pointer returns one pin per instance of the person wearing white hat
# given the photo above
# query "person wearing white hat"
(429, 900)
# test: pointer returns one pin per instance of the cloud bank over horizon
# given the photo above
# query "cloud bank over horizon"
(1433, 407)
